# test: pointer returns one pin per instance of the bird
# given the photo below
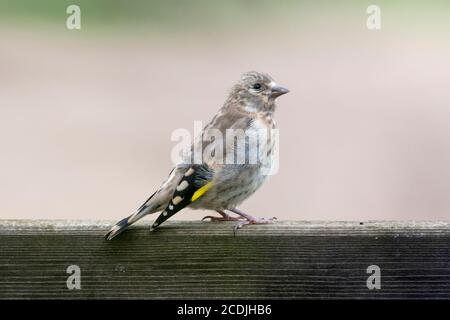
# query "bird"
(215, 180)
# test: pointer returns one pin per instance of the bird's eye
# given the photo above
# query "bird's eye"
(257, 86)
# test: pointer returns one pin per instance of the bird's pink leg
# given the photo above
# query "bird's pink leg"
(250, 219)
(224, 217)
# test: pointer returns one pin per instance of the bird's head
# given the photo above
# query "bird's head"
(257, 91)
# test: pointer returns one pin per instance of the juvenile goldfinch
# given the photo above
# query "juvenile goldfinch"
(220, 180)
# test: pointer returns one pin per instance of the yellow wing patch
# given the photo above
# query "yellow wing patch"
(197, 194)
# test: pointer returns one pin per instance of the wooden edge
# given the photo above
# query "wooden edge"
(297, 228)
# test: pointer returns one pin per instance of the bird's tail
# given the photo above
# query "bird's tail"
(123, 224)
(118, 228)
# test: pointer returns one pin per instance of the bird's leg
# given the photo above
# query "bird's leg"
(250, 219)
(224, 217)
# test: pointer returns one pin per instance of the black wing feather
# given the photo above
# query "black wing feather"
(200, 176)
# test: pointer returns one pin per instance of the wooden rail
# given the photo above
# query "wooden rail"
(204, 260)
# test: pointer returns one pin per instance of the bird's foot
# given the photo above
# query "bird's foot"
(250, 220)
(253, 220)
(224, 217)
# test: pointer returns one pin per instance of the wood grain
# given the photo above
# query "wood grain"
(203, 260)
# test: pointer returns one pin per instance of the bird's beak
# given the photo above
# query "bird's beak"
(278, 91)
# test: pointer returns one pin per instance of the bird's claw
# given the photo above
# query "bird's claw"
(246, 222)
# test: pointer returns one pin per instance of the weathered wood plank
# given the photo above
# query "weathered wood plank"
(204, 260)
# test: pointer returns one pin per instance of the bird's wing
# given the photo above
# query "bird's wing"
(198, 179)
(195, 182)
(156, 202)
(160, 198)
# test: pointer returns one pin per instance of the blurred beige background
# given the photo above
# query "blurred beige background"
(86, 116)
